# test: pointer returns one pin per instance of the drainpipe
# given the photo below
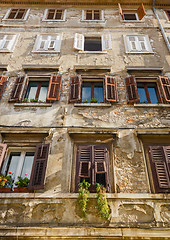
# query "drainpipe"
(162, 29)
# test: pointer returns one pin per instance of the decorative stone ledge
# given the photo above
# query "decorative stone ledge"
(92, 105)
(150, 105)
(32, 104)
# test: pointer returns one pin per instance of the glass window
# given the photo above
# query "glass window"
(148, 92)
(92, 44)
(17, 14)
(92, 92)
(92, 15)
(129, 16)
(37, 90)
(54, 14)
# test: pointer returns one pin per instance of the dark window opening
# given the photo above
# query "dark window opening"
(54, 14)
(92, 44)
(17, 14)
(101, 178)
(129, 16)
(148, 92)
(168, 14)
(92, 91)
(37, 91)
(92, 15)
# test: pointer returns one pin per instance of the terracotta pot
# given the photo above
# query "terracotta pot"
(20, 189)
(5, 189)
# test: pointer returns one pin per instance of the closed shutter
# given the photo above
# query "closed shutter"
(141, 11)
(54, 88)
(131, 89)
(39, 167)
(2, 84)
(3, 148)
(75, 89)
(106, 42)
(167, 157)
(159, 167)
(111, 89)
(120, 10)
(165, 85)
(16, 94)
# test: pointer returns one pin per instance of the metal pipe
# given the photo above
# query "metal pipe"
(162, 29)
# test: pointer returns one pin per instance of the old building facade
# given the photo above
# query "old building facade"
(85, 94)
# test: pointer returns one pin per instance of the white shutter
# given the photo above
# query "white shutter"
(2, 41)
(142, 44)
(106, 42)
(79, 41)
(7, 42)
(102, 15)
(11, 42)
(47, 40)
(132, 42)
(57, 44)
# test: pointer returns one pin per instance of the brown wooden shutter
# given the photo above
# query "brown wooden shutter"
(131, 89)
(2, 84)
(167, 157)
(39, 167)
(165, 85)
(54, 88)
(159, 167)
(83, 165)
(16, 94)
(120, 10)
(111, 89)
(141, 11)
(3, 148)
(101, 166)
(75, 89)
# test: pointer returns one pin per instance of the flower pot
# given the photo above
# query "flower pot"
(5, 189)
(20, 189)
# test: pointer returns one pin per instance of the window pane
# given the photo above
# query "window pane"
(100, 178)
(141, 92)
(152, 92)
(12, 14)
(92, 44)
(43, 92)
(13, 163)
(86, 92)
(20, 14)
(51, 13)
(129, 16)
(27, 165)
(98, 92)
(32, 90)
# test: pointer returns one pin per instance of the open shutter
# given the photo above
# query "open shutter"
(141, 11)
(3, 148)
(131, 89)
(106, 42)
(159, 169)
(165, 84)
(111, 89)
(83, 166)
(75, 89)
(167, 157)
(54, 88)
(120, 10)
(39, 167)
(57, 45)
(2, 84)
(17, 91)
(79, 41)
(101, 166)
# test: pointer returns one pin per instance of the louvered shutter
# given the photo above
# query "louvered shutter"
(106, 42)
(17, 91)
(75, 89)
(83, 166)
(111, 89)
(2, 84)
(79, 41)
(54, 88)
(167, 157)
(159, 169)
(165, 84)
(131, 89)
(141, 11)
(3, 148)
(101, 171)
(39, 167)
(120, 10)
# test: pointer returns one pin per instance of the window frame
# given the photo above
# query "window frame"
(130, 20)
(167, 15)
(101, 15)
(11, 44)
(27, 10)
(54, 20)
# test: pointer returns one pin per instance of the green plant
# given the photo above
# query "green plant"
(5, 181)
(102, 204)
(25, 100)
(93, 100)
(144, 101)
(34, 100)
(85, 101)
(83, 197)
(22, 182)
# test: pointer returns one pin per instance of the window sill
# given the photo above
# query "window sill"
(131, 21)
(92, 105)
(151, 105)
(139, 52)
(50, 20)
(93, 52)
(45, 52)
(94, 21)
(32, 104)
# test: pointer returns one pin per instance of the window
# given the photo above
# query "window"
(168, 14)
(25, 160)
(93, 90)
(44, 88)
(92, 164)
(92, 44)
(54, 15)
(137, 44)
(92, 15)
(47, 43)
(7, 42)
(128, 15)
(151, 91)
(3, 80)
(17, 14)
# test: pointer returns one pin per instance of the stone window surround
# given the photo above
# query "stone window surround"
(55, 20)
(8, 12)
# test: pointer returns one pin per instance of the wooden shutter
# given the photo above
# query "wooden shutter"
(75, 89)
(3, 148)
(165, 85)
(39, 167)
(2, 84)
(131, 89)
(111, 89)
(159, 167)
(101, 165)
(120, 10)
(141, 11)
(54, 88)
(16, 94)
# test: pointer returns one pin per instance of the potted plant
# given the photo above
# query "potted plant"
(22, 184)
(93, 100)
(5, 183)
